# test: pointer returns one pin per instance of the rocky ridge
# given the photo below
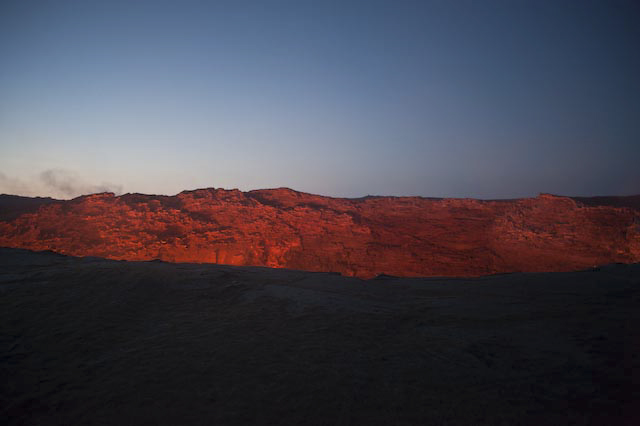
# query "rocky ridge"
(365, 237)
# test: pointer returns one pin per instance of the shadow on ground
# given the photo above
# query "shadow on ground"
(98, 342)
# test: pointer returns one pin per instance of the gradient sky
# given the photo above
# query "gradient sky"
(486, 99)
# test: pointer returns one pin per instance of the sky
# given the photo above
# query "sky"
(482, 99)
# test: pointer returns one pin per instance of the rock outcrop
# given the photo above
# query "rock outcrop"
(365, 237)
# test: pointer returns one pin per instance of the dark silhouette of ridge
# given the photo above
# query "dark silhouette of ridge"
(13, 206)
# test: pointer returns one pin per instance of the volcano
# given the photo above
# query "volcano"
(362, 237)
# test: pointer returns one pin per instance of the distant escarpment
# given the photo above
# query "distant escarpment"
(365, 237)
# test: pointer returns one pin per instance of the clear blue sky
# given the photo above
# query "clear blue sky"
(487, 99)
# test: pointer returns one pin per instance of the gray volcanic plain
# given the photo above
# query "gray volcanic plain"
(89, 341)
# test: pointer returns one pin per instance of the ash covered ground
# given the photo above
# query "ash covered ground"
(100, 342)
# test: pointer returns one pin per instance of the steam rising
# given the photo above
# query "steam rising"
(57, 183)
(13, 186)
(69, 184)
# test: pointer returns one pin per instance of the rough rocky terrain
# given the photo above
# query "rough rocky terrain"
(402, 236)
(87, 341)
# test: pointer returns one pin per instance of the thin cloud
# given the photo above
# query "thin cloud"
(70, 184)
(16, 186)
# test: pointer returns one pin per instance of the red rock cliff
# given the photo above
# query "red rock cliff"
(404, 236)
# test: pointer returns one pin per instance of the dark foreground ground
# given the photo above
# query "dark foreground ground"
(97, 342)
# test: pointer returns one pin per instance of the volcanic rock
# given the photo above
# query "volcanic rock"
(364, 237)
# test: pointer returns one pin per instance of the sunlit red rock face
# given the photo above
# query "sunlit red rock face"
(403, 236)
